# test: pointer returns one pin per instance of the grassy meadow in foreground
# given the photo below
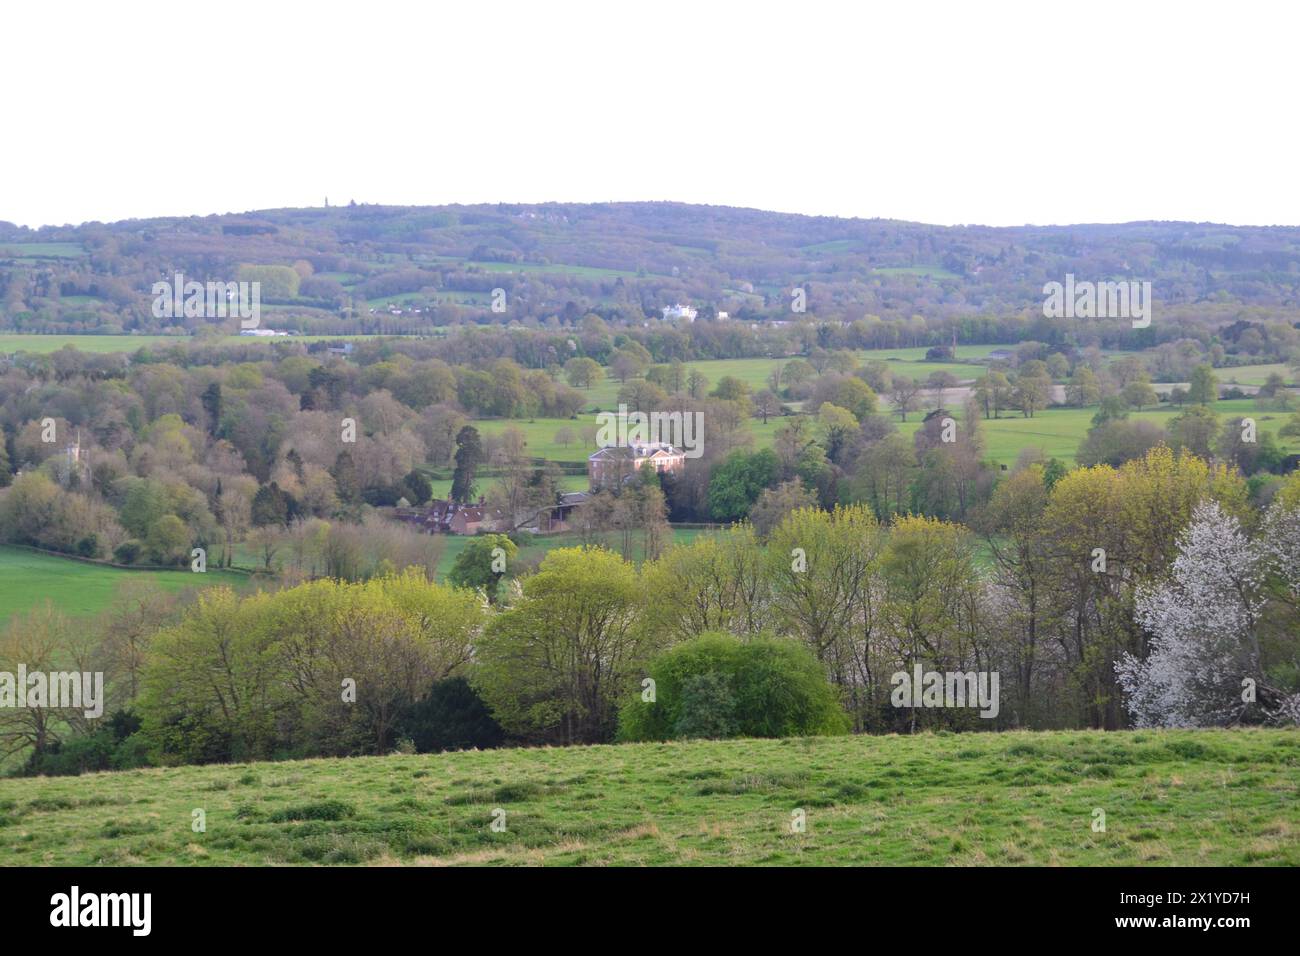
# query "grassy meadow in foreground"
(1218, 798)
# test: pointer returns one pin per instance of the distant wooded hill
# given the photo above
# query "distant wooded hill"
(366, 268)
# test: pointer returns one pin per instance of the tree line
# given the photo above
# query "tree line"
(1151, 594)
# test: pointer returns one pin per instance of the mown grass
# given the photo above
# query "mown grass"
(1216, 798)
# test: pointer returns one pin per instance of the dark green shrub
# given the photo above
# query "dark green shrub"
(777, 689)
(128, 552)
(418, 489)
(248, 811)
(708, 708)
(452, 717)
(383, 496)
(123, 723)
(116, 745)
(321, 810)
(130, 754)
(75, 756)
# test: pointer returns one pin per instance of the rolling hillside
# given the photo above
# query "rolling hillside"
(366, 268)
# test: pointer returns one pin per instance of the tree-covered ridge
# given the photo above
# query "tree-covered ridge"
(625, 261)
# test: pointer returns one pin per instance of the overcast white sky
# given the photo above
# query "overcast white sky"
(999, 113)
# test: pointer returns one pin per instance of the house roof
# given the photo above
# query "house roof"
(615, 452)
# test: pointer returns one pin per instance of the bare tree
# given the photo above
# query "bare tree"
(903, 395)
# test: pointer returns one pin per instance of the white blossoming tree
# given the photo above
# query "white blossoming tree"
(1279, 542)
(1203, 623)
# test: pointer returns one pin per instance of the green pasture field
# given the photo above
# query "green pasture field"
(80, 589)
(1170, 798)
(442, 486)
(540, 435)
(1058, 431)
(43, 344)
(554, 268)
(41, 250)
(920, 272)
(1254, 374)
(459, 298)
(831, 246)
(753, 372)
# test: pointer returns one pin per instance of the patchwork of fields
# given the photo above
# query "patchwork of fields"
(1169, 798)
(27, 578)
(1056, 431)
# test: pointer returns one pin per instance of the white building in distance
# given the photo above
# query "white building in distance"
(615, 464)
(679, 311)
